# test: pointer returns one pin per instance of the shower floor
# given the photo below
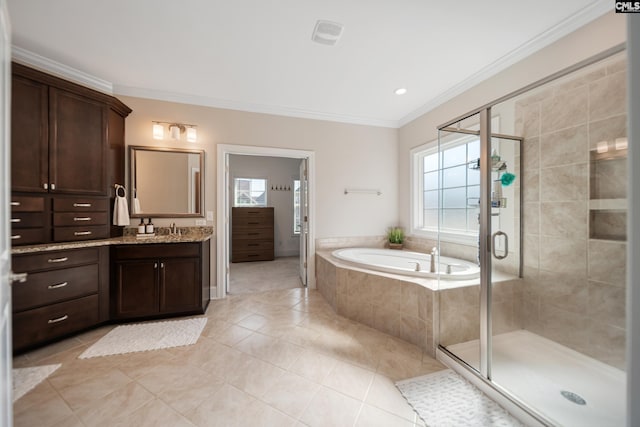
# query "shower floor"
(537, 370)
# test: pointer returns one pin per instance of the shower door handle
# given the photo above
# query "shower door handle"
(506, 244)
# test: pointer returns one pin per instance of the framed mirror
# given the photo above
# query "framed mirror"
(166, 182)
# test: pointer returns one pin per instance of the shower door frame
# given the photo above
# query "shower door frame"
(482, 378)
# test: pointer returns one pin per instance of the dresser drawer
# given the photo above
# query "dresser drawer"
(68, 234)
(242, 256)
(27, 219)
(49, 287)
(28, 236)
(27, 204)
(252, 234)
(252, 245)
(252, 221)
(42, 324)
(80, 204)
(52, 260)
(80, 218)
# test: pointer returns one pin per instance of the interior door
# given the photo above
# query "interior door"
(6, 407)
(304, 221)
(227, 224)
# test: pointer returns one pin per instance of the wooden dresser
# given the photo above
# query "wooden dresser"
(252, 234)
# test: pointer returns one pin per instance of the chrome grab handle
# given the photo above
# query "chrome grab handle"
(54, 260)
(59, 285)
(82, 205)
(16, 237)
(15, 203)
(81, 233)
(59, 319)
(16, 220)
(506, 244)
(82, 218)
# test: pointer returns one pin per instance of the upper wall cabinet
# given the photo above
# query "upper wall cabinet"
(59, 136)
(67, 149)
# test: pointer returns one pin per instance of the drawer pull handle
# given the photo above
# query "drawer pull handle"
(59, 319)
(155, 265)
(81, 233)
(253, 234)
(162, 265)
(15, 220)
(82, 205)
(16, 237)
(54, 260)
(82, 218)
(253, 223)
(59, 285)
(254, 244)
(15, 203)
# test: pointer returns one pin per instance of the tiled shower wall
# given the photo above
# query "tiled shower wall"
(574, 286)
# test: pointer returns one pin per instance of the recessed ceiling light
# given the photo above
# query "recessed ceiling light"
(400, 91)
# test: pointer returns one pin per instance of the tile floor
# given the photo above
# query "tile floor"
(275, 358)
(281, 273)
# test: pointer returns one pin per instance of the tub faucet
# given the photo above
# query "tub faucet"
(417, 265)
(432, 266)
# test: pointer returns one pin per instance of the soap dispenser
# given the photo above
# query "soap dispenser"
(149, 228)
(141, 228)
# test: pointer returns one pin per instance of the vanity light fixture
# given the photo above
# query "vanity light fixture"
(400, 91)
(175, 130)
(158, 131)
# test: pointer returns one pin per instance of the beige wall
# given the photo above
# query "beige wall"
(346, 156)
(601, 34)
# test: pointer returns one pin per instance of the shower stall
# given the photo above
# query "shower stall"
(537, 182)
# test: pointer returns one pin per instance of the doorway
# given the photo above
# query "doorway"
(234, 163)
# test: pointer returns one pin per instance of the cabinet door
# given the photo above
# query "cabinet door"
(77, 144)
(29, 135)
(136, 288)
(180, 287)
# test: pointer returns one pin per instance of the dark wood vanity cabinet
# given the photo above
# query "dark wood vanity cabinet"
(155, 280)
(66, 140)
(65, 292)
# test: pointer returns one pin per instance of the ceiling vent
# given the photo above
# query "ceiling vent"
(327, 32)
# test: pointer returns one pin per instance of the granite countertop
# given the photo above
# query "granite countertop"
(187, 234)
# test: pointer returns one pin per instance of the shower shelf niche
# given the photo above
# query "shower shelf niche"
(607, 195)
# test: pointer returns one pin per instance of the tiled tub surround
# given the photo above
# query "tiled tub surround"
(410, 308)
(574, 285)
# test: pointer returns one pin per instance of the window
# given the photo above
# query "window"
(297, 225)
(447, 188)
(250, 192)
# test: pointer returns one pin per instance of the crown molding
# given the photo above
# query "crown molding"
(563, 28)
(249, 107)
(50, 66)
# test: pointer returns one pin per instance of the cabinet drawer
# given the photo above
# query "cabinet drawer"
(250, 222)
(53, 260)
(80, 218)
(27, 204)
(242, 256)
(42, 324)
(54, 286)
(258, 233)
(28, 236)
(177, 250)
(252, 245)
(67, 234)
(27, 219)
(237, 213)
(80, 204)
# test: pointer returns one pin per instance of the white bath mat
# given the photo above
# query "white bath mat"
(147, 336)
(26, 379)
(445, 399)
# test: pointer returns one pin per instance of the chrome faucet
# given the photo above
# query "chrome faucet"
(417, 265)
(434, 254)
(172, 228)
